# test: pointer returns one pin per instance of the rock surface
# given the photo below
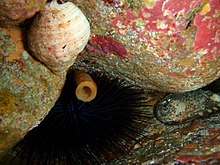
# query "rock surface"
(197, 142)
(168, 46)
(28, 89)
(14, 12)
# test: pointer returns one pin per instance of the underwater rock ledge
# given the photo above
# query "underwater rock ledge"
(168, 46)
(28, 90)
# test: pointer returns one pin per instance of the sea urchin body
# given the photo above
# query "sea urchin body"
(76, 132)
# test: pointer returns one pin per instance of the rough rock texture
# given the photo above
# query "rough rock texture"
(13, 12)
(168, 46)
(28, 89)
(197, 142)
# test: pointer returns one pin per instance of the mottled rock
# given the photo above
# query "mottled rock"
(13, 12)
(180, 108)
(28, 89)
(170, 46)
(194, 142)
(156, 44)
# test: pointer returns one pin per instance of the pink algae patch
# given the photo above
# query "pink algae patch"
(163, 11)
(151, 24)
(106, 45)
(175, 6)
(208, 31)
(150, 16)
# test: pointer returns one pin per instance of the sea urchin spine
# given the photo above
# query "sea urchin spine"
(77, 132)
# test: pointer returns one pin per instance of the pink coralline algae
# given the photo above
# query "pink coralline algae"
(171, 19)
(106, 45)
(208, 31)
(162, 12)
(175, 6)
(162, 24)
(168, 41)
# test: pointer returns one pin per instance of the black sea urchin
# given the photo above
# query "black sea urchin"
(76, 132)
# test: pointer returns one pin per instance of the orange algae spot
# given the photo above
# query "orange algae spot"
(63, 25)
(205, 9)
(17, 37)
(7, 101)
(158, 142)
(188, 148)
(190, 128)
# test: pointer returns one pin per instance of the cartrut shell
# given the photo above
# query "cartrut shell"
(58, 34)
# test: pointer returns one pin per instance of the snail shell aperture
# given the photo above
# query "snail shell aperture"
(58, 34)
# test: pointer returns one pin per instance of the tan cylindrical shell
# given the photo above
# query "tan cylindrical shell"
(58, 34)
(86, 88)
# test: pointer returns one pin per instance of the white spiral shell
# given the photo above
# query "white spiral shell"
(58, 34)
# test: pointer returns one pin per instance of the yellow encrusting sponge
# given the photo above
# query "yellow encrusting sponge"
(86, 89)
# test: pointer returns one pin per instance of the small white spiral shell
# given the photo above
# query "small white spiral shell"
(58, 34)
